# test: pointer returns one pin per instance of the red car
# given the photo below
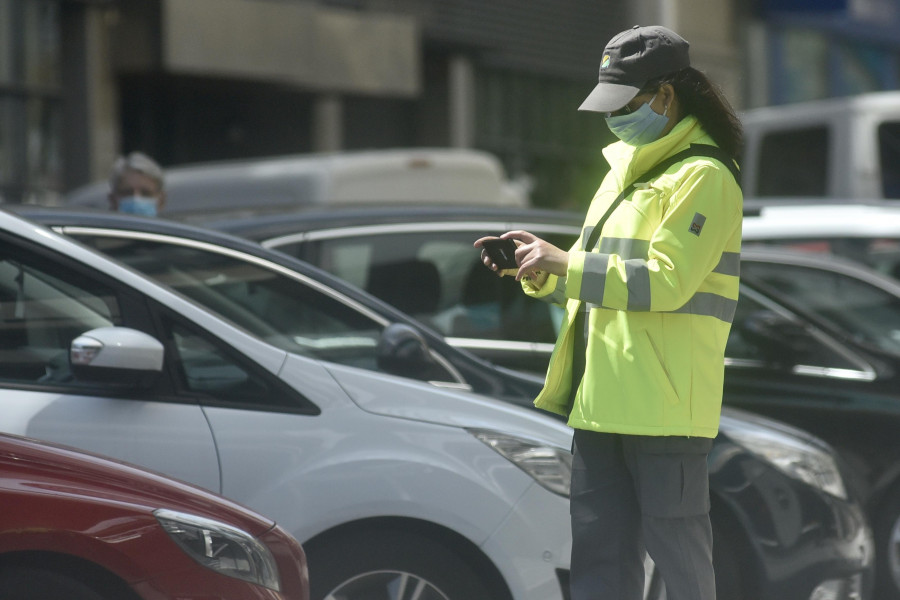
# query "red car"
(81, 527)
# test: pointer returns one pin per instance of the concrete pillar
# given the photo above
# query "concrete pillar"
(461, 102)
(328, 123)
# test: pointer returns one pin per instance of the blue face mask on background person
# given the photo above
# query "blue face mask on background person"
(138, 205)
(642, 126)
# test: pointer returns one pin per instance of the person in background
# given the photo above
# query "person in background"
(650, 289)
(137, 185)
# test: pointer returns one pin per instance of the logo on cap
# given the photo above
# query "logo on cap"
(605, 63)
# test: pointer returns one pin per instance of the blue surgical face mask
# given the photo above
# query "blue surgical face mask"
(138, 205)
(642, 126)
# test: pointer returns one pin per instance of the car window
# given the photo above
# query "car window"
(794, 163)
(438, 278)
(749, 344)
(879, 253)
(288, 313)
(889, 153)
(43, 307)
(865, 312)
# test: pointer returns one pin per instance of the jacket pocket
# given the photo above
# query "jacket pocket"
(651, 363)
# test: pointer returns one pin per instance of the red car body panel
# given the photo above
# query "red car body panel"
(69, 505)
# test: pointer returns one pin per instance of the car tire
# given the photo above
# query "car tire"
(39, 584)
(887, 548)
(375, 564)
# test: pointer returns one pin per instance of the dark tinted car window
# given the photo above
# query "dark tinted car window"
(794, 163)
(748, 348)
(889, 153)
(207, 369)
(865, 312)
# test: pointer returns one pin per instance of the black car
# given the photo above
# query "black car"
(786, 526)
(815, 341)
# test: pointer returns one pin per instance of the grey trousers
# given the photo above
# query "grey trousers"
(631, 493)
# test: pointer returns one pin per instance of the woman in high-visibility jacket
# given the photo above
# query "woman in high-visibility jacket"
(650, 296)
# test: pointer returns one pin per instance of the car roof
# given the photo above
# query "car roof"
(771, 220)
(798, 113)
(271, 226)
(104, 219)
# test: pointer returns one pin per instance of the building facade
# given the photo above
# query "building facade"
(186, 81)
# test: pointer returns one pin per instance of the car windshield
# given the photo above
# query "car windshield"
(866, 313)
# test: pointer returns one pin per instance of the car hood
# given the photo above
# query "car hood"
(407, 399)
(37, 467)
(402, 398)
(737, 419)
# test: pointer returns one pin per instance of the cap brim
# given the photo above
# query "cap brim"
(608, 97)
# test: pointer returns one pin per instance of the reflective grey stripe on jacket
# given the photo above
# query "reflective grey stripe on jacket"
(558, 295)
(634, 253)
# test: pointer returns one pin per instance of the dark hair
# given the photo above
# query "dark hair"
(698, 96)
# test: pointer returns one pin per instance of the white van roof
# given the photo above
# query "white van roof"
(279, 184)
(800, 114)
(842, 219)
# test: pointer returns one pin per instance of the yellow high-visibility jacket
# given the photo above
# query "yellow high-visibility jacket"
(661, 285)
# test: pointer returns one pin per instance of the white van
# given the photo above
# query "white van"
(280, 184)
(845, 148)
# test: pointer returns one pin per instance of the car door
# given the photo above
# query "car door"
(46, 300)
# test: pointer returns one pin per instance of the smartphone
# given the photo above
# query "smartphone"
(501, 252)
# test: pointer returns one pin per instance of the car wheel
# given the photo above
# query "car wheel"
(887, 548)
(381, 565)
(38, 584)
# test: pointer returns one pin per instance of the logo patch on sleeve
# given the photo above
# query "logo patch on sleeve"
(697, 224)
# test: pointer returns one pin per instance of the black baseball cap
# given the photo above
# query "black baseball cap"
(630, 60)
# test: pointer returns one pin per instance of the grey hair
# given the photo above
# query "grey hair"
(136, 161)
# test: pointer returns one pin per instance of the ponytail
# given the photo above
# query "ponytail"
(698, 96)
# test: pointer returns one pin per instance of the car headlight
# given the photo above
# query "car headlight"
(221, 547)
(549, 466)
(792, 456)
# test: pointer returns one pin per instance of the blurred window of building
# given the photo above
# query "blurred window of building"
(803, 61)
(6, 42)
(860, 68)
(7, 134)
(30, 100)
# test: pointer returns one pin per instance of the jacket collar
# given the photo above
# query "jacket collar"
(627, 162)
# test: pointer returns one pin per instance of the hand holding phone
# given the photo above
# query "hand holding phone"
(501, 252)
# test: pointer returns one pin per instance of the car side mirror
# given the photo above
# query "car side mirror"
(402, 351)
(119, 356)
(780, 340)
